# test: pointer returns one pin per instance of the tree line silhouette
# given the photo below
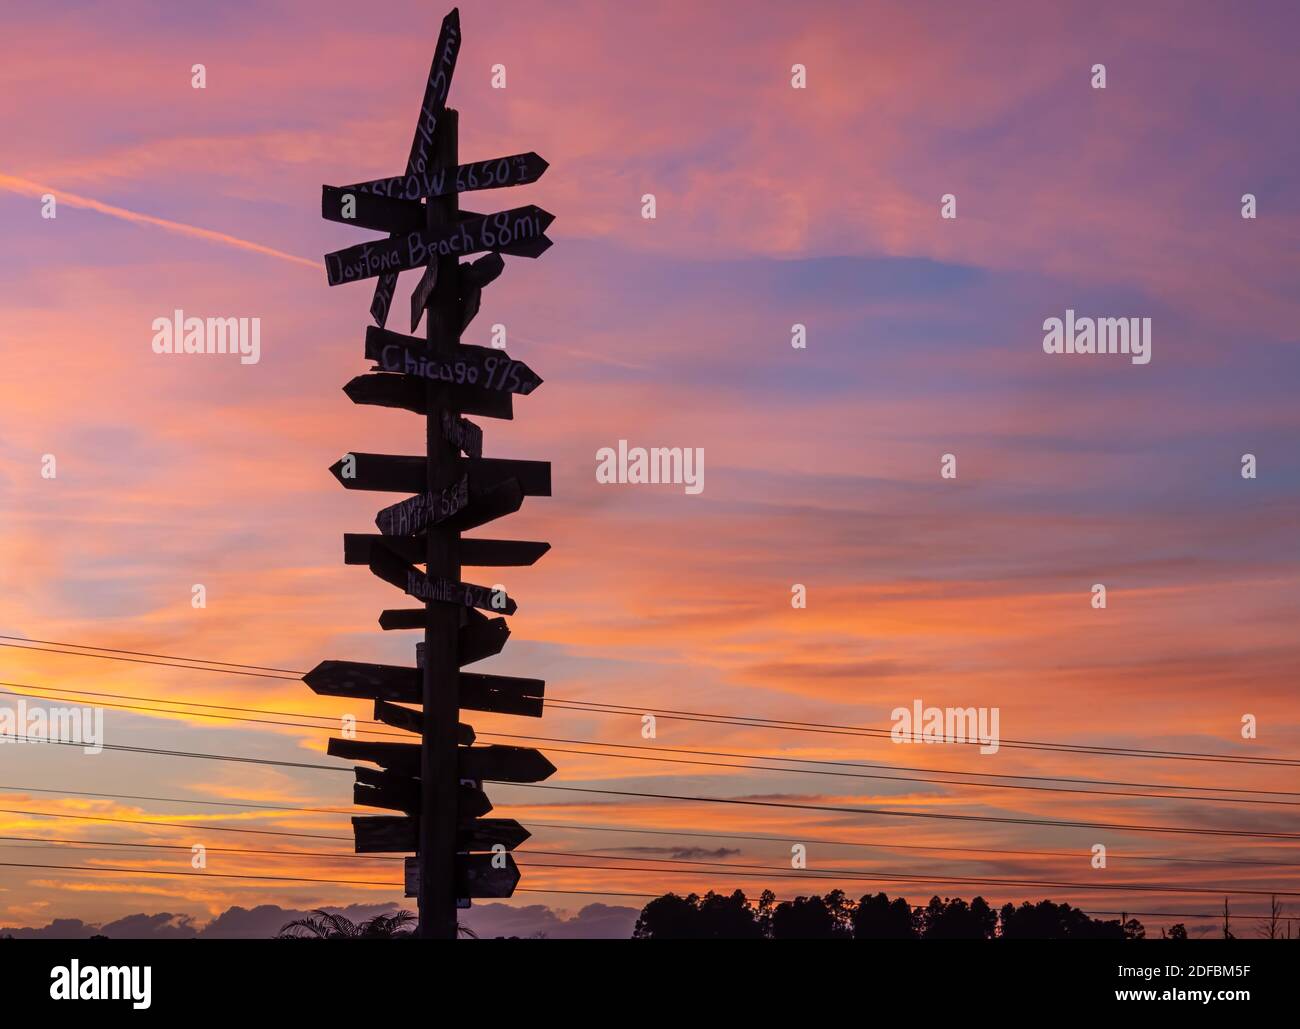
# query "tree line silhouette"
(836, 916)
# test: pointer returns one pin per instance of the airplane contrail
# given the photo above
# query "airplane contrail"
(28, 188)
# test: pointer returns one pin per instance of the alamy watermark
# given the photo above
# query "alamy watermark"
(24, 723)
(1073, 335)
(181, 335)
(683, 466)
(920, 724)
(74, 981)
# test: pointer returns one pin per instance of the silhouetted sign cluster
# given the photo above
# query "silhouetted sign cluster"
(435, 781)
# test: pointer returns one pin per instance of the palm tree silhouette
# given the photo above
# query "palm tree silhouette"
(322, 925)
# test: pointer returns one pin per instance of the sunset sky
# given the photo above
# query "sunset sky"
(775, 206)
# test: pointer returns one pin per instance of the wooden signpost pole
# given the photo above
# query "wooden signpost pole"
(436, 785)
(438, 759)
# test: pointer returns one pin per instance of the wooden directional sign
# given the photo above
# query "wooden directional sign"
(365, 680)
(534, 246)
(473, 277)
(389, 473)
(396, 473)
(464, 435)
(415, 249)
(400, 757)
(384, 834)
(486, 833)
(493, 173)
(376, 787)
(424, 509)
(420, 158)
(402, 618)
(357, 547)
(482, 637)
(501, 553)
(503, 694)
(475, 641)
(393, 570)
(482, 367)
(409, 394)
(369, 211)
(506, 694)
(412, 720)
(504, 764)
(477, 274)
(388, 205)
(484, 553)
(477, 876)
(447, 591)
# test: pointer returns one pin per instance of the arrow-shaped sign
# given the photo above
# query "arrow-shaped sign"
(399, 473)
(412, 720)
(384, 834)
(473, 277)
(477, 875)
(376, 787)
(412, 516)
(505, 694)
(369, 211)
(492, 173)
(415, 249)
(400, 757)
(410, 394)
(486, 833)
(482, 637)
(464, 435)
(501, 553)
(462, 365)
(393, 205)
(475, 641)
(431, 107)
(483, 553)
(393, 570)
(504, 764)
(420, 158)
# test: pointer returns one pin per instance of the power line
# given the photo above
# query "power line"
(186, 753)
(802, 838)
(761, 873)
(1114, 826)
(171, 825)
(748, 756)
(216, 875)
(144, 653)
(605, 707)
(828, 728)
(143, 661)
(193, 714)
(682, 833)
(751, 870)
(835, 875)
(860, 775)
(183, 800)
(122, 844)
(726, 800)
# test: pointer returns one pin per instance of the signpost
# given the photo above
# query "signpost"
(435, 781)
